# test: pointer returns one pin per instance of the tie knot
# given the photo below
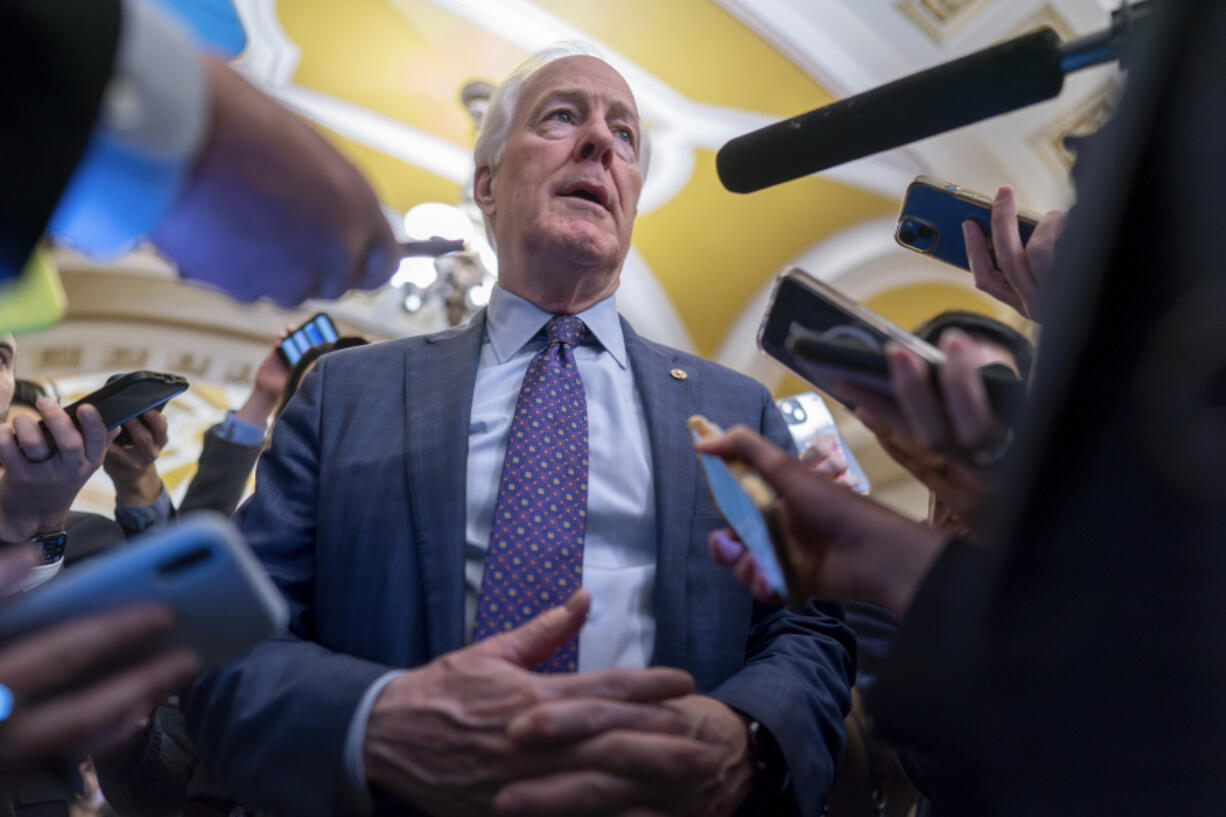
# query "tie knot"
(566, 329)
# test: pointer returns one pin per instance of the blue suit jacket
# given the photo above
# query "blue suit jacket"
(359, 516)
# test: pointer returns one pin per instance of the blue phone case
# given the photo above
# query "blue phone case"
(930, 221)
(202, 569)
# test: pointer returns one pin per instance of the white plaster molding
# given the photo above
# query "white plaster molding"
(270, 57)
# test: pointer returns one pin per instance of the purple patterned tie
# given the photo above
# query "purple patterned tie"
(535, 557)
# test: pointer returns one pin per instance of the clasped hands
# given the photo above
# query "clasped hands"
(477, 731)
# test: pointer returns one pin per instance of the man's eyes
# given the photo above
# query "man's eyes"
(565, 117)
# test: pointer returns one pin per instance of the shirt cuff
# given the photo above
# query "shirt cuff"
(236, 430)
(141, 518)
(153, 120)
(355, 792)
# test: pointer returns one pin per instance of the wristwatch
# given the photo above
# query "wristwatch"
(50, 545)
(773, 777)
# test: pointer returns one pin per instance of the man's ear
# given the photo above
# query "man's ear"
(483, 189)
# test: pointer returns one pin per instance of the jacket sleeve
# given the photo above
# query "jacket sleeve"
(288, 702)
(797, 678)
(221, 475)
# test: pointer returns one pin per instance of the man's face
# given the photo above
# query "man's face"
(8, 352)
(569, 179)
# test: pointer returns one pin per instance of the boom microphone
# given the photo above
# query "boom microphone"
(996, 80)
(999, 79)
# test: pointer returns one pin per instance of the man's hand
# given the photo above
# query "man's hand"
(668, 778)
(844, 546)
(133, 467)
(271, 208)
(437, 735)
(73, 689)
(39, 483)
(1018, 280)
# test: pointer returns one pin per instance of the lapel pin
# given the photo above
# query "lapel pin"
(678, 374)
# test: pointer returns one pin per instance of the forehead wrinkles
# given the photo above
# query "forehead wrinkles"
(577, 78)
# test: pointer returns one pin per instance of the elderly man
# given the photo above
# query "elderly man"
(442, 490)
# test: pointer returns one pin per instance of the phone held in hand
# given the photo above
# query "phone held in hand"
(124, 397)
(930, 221)
(826, 339)
(809, 420)
(750, 508)
(314, 332)
(201, 568)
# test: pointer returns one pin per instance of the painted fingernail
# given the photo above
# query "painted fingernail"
(728, 550)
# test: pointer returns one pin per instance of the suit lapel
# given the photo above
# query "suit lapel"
(440, 375)
(668, 401)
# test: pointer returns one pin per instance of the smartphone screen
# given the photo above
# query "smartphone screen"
(315, 332)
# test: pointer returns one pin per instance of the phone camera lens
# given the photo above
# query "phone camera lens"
(925, 232)
(907, 237)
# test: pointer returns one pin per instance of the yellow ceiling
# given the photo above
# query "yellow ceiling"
(711, 250)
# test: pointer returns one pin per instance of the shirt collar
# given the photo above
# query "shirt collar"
(512, 321)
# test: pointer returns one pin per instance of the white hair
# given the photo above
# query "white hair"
(500, 113)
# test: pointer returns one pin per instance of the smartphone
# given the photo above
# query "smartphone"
(124, 437)
(750, 508)
(124, 397)
(825, 338)
(201, 568)
(809, 418)
(315, 332)
(930, 221)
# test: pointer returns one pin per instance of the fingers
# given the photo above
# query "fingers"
(918, 404)
(94, 435)
(572, 719)
(616, 771)
(1007, 241)
(98, 716)
(32, 442)
(654, 684)
(532, 643)
(966, 397)
(71, 652)
(158, 428)
(988, 278)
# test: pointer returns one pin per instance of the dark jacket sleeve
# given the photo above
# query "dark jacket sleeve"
(287, 703)
(221, 475)
(796, 682)
(55, 61)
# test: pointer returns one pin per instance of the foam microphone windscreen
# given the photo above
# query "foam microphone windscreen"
(990, 82)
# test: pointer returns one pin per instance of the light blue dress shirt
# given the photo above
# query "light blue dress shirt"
(619, 544)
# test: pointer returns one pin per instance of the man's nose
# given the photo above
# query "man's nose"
(596, 143)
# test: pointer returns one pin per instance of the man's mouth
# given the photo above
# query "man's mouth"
(587, 192)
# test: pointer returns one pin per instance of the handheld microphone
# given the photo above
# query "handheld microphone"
(999, 79)
(430, 248)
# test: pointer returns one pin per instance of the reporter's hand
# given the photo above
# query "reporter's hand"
(72, 691)
(1017, 276)
(823, 457)
(271, 208)
(844, 546)
(437, 734)
(959, 423)
(39, 484)
(133, 467)
(270, 380)
(670, 777)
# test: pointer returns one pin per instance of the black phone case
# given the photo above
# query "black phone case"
(126, 397)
